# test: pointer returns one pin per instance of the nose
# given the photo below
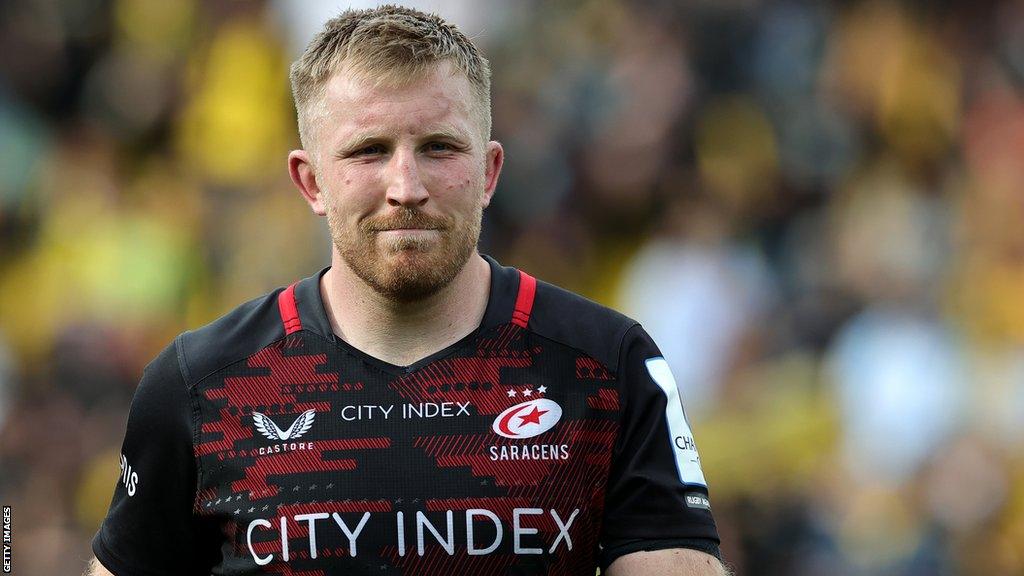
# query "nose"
(404, 185)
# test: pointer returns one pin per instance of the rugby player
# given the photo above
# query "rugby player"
(415, 407)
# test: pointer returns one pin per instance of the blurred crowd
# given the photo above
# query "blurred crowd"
(816, 208)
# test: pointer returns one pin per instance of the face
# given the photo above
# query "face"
(402, 174)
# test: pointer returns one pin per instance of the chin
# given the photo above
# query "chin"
(413, 280)
(409, 268)
(409, 274)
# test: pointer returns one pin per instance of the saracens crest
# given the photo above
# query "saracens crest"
(527, 419)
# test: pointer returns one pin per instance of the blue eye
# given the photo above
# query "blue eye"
(370, 150)
(438, 147)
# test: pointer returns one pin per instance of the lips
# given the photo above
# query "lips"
(404, 219)
(399, 227)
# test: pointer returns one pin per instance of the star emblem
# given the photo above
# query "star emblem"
(532, 417)
(542, 389)
(527, 392)
(511, 393)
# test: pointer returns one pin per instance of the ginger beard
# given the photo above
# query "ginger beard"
(406, 268)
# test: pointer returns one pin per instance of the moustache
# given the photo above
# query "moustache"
(404, 218)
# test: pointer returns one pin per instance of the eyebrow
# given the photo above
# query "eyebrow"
(361, 141)
(447, 135)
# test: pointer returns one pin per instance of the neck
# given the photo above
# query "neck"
(403, 332)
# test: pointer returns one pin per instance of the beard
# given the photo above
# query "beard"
(407, 268)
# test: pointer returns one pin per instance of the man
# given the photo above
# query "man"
(415, 408)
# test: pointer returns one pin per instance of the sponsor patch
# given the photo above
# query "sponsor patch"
(414, 533)
(685, 449)
(129, 477)
(268, 428)
(697, 500)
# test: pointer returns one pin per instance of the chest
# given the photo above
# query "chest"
(500, 451)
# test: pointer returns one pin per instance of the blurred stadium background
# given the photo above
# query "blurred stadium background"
(817, 208)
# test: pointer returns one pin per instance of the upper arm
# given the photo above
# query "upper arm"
(669, 562)
(657, 497)
(150, 520)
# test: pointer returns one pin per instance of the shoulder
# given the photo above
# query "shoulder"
(572, 320)
(234, 336)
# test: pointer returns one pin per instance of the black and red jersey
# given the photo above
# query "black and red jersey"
(550, 440)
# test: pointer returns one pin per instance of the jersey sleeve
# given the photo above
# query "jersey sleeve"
(657, 496)
(149, 529)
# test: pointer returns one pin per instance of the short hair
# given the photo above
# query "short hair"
(386, 44)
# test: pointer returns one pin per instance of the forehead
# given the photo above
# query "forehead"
(437, 99)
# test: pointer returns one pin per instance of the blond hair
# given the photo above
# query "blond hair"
(388, 44)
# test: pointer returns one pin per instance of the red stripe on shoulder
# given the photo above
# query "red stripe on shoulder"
(289, 311)
(524, 300)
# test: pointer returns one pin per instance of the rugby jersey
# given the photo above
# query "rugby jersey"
(550, 440)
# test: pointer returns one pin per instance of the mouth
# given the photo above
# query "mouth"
(403, 223)
(413, 234)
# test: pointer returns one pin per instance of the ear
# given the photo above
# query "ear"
(300, 168)
(494, 159)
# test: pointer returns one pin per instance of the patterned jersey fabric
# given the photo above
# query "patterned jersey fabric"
(541, 443)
